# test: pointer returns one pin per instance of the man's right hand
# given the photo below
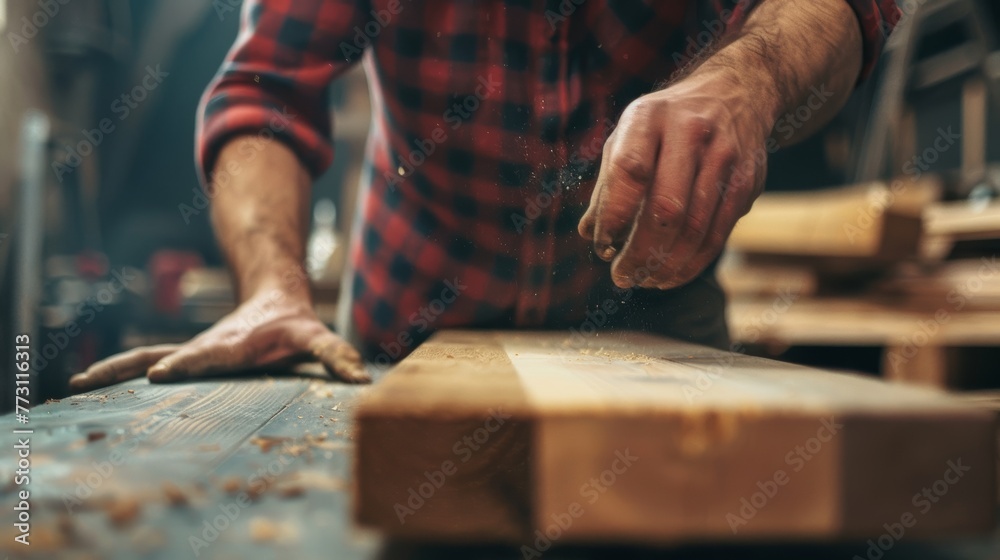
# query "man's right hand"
(270, 330)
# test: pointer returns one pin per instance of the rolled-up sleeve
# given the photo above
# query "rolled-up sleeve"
(876, 18)
(273, 83)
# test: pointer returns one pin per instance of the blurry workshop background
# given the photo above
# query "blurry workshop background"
(873, 250)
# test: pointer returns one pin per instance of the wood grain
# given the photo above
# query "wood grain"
(691, 432)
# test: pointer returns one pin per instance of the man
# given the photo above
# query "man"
(486, 160)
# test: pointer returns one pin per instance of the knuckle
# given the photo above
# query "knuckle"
(697, 227)
(729, 154)
(630, 164)
(639, 108)
(665, 210)
(700, 128)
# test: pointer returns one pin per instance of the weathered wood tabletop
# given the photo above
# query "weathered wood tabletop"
(247, 468)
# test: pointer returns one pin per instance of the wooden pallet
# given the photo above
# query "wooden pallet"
(536, 437)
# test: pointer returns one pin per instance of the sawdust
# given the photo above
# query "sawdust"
(314, 479)
(321, 390)
(632, 357)
(291, 491)
(266, 443)
(231, 486)
(295, 447)
(263, 530)
(122, 512)
(174, 495)
(478, 353)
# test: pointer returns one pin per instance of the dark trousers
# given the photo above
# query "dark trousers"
(694, 312)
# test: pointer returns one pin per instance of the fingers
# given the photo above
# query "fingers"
(627, 171)
(339, 358)
(201, 358)
(115, 369)
(665, 210)
(731, 209)
(589, 219)
(710, 190)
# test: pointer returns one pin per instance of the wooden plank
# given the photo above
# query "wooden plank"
(136, 470)
(872, 221)
(743, 278)
(846, 321)
(630, 437)
(922, 365)
(969, 283)
(961, 220)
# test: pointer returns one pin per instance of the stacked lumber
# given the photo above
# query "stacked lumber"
(883, 265)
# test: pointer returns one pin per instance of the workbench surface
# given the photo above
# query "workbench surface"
(143, 471)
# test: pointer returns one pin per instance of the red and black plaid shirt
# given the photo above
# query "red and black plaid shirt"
(489, 121)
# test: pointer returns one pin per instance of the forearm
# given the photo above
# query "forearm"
(791, 54)
(260, 215)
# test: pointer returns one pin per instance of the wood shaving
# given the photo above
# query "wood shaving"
(174, 495)
(265, 530)
(231, 485)
(319, 480)
(266, 443)
(291, 491)
(123, 511)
